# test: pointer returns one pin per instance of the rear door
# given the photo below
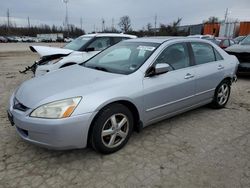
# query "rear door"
(173, 91)
(208, 70)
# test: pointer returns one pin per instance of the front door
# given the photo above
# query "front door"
(173, 91)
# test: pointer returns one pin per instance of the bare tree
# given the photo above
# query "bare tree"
(125, 24)
(212, 19)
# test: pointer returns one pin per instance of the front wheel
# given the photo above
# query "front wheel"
(112, 128)
(221, 95)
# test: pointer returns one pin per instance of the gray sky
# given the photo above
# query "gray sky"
(140, 11)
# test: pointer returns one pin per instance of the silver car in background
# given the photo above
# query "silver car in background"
(126, 87)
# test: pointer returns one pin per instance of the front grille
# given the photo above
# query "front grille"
(19, 106)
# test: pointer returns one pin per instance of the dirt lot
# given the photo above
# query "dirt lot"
(201, 148)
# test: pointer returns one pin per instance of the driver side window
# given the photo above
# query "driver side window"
(175, 55)
(100, 43)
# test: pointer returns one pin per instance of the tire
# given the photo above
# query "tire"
(111, 129)
(221, 95)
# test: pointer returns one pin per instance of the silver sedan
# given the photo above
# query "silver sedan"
(126, 87)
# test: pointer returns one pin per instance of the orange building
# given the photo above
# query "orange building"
(244, 28)
(211, 29)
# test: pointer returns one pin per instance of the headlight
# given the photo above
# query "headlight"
(57, 109)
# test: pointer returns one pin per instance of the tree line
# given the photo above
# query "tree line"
(71, 31)
(124, 24)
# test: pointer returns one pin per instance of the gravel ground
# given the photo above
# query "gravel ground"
(200, 148)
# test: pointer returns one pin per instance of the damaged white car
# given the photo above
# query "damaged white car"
(75, 52)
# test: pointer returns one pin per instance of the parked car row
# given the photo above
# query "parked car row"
(125, 87)
(4, 39)
(222, 42)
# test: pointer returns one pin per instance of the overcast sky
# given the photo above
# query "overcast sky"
(141, 12)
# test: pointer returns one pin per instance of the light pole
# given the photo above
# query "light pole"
(66, 23)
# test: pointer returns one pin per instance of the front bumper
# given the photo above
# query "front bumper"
(59, 134)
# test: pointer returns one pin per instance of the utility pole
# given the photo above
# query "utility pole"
(66, 23)
(155, 24)
(226, 14)
(103, 25)
(8, 19)
(28, 22)
(81, 22)
(113, 24)
(226, 24)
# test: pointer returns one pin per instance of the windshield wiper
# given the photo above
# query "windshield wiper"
(98, 68)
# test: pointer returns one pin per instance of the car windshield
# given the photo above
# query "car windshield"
(123, 58)
(77, 43)
(240, 38)
(246, 41)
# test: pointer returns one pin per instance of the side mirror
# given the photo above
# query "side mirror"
(159, 68)
(162, 68)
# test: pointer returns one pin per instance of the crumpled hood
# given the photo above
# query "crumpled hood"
(238, 48)
(47, 51)
(64, 83)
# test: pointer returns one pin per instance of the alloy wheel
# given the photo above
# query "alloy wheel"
(223, 94)
(115, 130)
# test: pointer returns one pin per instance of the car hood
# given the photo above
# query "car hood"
(238, 48)
(47, 51)
(64, 83)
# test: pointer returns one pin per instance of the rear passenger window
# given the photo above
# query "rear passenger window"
(203, 53)
(100, 43)
(176, 56)
(225, 43)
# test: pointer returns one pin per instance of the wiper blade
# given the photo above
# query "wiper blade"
(99, 68)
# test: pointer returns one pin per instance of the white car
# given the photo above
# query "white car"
(75, 52)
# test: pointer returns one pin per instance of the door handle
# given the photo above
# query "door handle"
(188, 76)
(220, 67)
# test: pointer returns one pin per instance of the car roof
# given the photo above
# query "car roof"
(158, 40)
(109, 35)
(161, 40)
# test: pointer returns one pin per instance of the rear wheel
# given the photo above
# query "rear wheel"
(112, 128)
(222, 94)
